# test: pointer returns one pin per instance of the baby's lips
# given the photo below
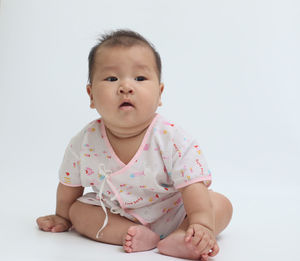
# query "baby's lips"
(126, 103)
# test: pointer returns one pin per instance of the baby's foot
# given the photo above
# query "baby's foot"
(139, 238)
(175, 245)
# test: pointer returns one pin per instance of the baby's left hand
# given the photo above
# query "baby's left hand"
(203, 240)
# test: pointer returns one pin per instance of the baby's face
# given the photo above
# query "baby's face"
(125, 88)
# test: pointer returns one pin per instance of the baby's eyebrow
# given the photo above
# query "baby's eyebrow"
(142, 67)
(109, 68)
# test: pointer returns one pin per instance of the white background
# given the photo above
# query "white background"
(232, 76)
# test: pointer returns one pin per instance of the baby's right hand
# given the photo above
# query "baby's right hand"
(53, 223)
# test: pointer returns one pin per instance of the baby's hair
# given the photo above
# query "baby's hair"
(126, 38)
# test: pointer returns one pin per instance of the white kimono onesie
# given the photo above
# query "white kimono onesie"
(146, 189)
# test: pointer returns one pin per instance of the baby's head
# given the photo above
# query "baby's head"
(125, 81)
(122, 38)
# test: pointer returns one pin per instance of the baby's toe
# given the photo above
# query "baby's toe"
(45, 225)
(127, 249)
(59, 228)
(132, 231)
(204, 258)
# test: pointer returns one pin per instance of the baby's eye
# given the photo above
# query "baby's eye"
(140, 78)
(111, 79)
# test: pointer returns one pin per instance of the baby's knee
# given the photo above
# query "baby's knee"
(221, 204)
(228, 206)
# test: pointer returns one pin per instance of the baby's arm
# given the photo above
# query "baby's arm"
(60, 222)
(199, 209)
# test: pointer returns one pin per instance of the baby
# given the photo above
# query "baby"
(150, 179)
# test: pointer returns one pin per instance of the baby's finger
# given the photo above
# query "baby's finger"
(196, 239)
(203, 244)
(215, 250)
(188, 234)
(209, 246)
(204, 257)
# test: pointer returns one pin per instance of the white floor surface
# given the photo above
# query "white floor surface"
(265, 225)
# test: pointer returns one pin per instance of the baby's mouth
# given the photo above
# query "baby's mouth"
(125, 105)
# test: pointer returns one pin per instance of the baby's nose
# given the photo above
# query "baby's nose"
(125, 88)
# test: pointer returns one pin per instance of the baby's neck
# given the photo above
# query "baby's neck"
(126, 144)
(128, 134)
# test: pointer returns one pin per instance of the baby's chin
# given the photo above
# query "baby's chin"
(127, 128)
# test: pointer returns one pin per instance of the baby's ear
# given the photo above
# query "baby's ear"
(89, 91)
(161, 89)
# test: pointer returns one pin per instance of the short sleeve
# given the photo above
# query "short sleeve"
(69, 172)
(189, 165)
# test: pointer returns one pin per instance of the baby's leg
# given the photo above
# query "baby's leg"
(174, 244)
(88, 219)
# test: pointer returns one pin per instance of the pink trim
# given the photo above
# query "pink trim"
(138, 153)
(103, 133)
(124, 166)
(142, 221)
(122, 204)
(203, 178)
(69, 185)
(116, 193)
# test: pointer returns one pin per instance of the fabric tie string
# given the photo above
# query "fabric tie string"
(105, 173)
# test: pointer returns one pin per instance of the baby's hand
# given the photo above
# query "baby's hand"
(53, 223)
(203, 239)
